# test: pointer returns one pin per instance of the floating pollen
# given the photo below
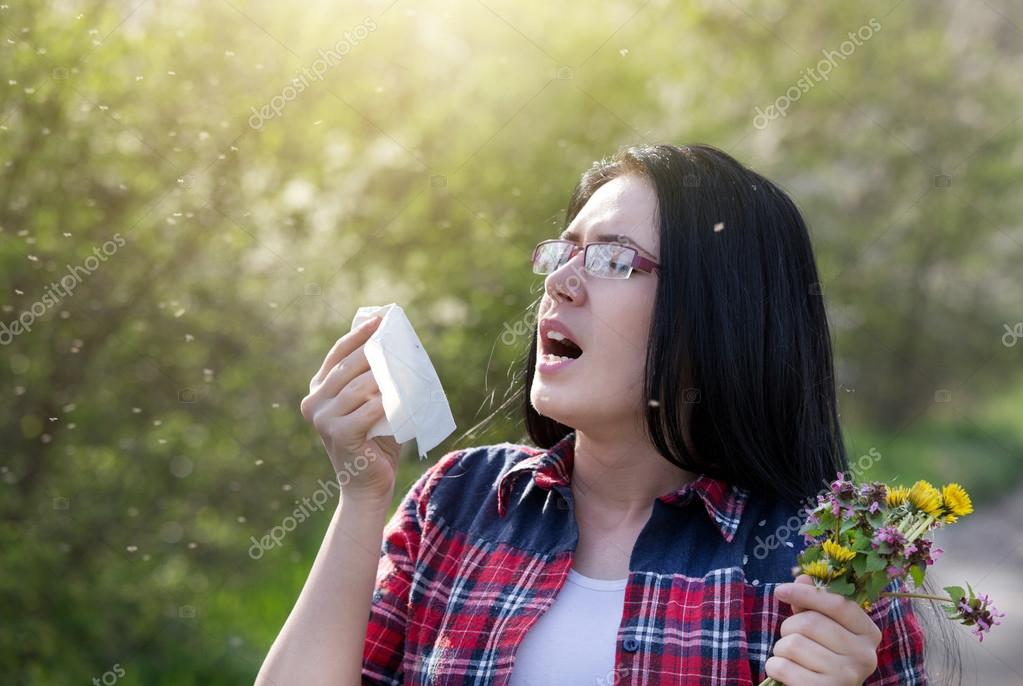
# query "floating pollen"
(720, 226)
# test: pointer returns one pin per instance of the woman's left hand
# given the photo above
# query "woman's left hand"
(829, 639)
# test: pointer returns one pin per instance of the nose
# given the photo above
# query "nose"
(567, 282)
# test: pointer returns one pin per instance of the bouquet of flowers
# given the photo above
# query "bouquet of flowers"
(862, 537)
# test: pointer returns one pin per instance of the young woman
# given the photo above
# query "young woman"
(680, 395)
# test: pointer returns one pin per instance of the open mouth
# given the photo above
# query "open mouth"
(559, 345)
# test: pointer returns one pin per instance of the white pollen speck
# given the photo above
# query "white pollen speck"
(720, 226)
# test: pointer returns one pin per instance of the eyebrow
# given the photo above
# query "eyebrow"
(571, 235)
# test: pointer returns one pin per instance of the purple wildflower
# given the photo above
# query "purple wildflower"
(979, 613)
(890, 538)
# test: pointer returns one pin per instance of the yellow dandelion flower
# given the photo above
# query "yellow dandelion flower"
(837, 552)
(897, 496)
(819, 569)
(957, 500)
(926, 498)
(866, 605)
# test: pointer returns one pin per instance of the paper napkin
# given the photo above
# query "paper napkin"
(415, 405)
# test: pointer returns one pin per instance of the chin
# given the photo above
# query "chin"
(552, 406)
(549, 404)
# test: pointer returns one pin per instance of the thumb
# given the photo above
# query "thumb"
(801, 579)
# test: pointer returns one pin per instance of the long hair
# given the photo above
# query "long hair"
(739, 364)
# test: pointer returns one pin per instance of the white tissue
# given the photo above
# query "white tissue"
(415, 405)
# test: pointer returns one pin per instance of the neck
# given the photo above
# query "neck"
(616, 478)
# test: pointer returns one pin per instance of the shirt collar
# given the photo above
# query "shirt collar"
(722, 501)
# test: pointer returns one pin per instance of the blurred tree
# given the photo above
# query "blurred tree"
(221, 188)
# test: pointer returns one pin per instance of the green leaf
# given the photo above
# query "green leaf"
(842, 587)
(917, 572)
(875, 562)
(956, 592)
(811, 554)
(859, 541)
(815, 529)
(876, 583)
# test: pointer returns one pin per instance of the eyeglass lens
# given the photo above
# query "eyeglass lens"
(602, 259)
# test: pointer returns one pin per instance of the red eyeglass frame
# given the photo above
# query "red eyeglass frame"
(638, 261)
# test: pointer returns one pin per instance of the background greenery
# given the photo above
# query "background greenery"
(150, 418)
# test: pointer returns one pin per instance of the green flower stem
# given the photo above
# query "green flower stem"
(913, 529)
(891, 594)
(919, 530)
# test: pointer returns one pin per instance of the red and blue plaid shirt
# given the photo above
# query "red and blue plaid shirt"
(475, 554)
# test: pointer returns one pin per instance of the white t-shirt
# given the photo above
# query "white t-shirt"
(573, 643)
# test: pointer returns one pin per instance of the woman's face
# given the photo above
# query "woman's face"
(609, 318)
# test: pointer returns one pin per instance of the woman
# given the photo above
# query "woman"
(679, 385)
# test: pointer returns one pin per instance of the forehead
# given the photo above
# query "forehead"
(624, 205)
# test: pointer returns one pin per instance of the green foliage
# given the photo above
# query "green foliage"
(151, 425)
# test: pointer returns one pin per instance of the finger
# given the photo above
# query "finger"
(345, 345)
(352, 396)
(361, 419)
(792, 674)
(807, 652)
(801, 579)
(343, 373)
(820, 628)
(837, 607)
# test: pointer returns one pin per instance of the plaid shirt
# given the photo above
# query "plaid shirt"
(475, 553)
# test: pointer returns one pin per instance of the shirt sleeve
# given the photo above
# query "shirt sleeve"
(900, 655)
(389, 611)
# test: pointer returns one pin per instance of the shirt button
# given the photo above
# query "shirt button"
(630, 645)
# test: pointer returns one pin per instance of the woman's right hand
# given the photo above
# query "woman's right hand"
(344, 403)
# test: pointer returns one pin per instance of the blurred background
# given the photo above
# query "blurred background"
(195, 197)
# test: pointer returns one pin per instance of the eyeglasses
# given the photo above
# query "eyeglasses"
(604, 259)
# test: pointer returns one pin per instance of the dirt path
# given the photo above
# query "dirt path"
(986, 550)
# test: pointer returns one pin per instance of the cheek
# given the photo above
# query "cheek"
(625, 331)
